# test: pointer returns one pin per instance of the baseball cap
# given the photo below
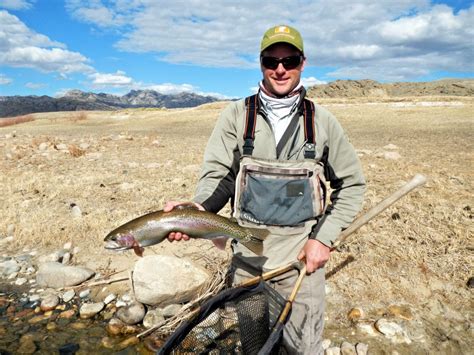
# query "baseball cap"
(282, 33)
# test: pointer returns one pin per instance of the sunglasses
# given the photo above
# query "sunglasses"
(289, 63)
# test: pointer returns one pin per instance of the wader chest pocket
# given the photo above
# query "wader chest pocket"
(278, 196)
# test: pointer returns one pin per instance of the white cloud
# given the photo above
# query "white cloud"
(4, 80)
(362, 34)
(16, 4)
(311, 81)
(35, 86)
(22, 47)
(116, 80)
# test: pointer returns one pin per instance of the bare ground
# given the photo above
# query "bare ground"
(118, 165)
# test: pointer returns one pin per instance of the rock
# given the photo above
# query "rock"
(70, 348)
(390, 146)
(57, 275)
(326, 343)
(131, 314)
(67, 246)
(153, 317)
(27, 344)
(9, 267)
(85, 293)
(49, 303)
(392, 156)
(162, 280)
(128, 342)
(110, 298)
(21, 281)
(355, 314)
(171, 310)
(470, 282)
(388, 328)
(89, 310)
(43, 146)
(348, 349)
(362, 349)
(402, 312)
(67, 314)
(333, 351)
(68, 295)
(76, 211)
(367, 328)
(66, 258)
(61, 146)
(114, 327)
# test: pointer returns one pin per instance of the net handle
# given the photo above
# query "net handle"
(298, 265)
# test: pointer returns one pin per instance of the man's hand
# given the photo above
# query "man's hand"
(315, 253)
(218, 242)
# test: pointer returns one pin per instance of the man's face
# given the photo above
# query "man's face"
(280, 81)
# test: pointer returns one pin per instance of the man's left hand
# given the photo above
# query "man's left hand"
(315, 253)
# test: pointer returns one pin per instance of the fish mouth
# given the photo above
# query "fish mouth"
(113, 245)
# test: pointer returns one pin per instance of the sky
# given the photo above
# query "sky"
(48, 47)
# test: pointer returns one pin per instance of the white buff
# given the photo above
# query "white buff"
(279, 111)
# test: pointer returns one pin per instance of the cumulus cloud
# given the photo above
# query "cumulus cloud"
(311, 81)
(116, 80)
(4, 80)
(16, 4)
(22, 47)
(364, 34)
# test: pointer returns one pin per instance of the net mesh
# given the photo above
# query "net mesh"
(237, 321)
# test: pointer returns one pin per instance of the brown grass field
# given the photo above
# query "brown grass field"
(118, 165)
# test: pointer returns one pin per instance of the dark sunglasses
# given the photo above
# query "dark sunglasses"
(289, 63)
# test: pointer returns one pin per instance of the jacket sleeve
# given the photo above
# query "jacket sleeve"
(221, 161)
(344, 173)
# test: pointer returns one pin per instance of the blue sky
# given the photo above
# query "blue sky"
(48, 47)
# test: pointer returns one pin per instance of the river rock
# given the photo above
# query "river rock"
(348, 349)
(362, 349)
(355, 314)
(334, 350)
(89, 310)
(49, 303)
(153, 317)
(171, 310)
(367, 328)
(131, 314)
(110, 298)
(403, 312)
(20, 281)
(114, 327)
(68, 295)
(388, 328)
(392, 156)
(9, 267)
(326, 343)
(27, 345)
(57, 275)
(162, 280)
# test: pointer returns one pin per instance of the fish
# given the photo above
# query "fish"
(152, 228)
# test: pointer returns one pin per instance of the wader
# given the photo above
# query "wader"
(285, 197)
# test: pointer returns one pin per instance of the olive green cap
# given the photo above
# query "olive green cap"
(282, 33)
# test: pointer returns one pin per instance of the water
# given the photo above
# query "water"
(26, 329)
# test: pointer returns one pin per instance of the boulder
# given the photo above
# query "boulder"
(56, 275)
(163, 280)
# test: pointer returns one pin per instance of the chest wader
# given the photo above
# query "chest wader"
(279, 194)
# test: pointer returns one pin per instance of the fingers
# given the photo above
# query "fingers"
(170, 205)
(177, 236)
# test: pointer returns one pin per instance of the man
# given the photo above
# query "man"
(278, 140)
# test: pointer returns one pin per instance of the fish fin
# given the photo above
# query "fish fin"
(254, 245)
(260, 234)
(186, 205)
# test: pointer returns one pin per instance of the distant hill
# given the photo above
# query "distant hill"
(371, 88)
(76, 100)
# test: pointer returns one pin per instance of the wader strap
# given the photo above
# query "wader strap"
(251, 103)
(310, 146)
(250, 118)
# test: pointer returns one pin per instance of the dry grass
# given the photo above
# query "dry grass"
(4, 122)
(137, 160)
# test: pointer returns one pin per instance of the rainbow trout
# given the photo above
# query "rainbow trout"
(154, 227)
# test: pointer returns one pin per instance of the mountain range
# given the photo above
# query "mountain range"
(76, 100)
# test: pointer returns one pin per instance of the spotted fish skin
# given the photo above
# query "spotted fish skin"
(155, 227)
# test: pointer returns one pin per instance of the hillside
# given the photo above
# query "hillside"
(76, 100)
(371, 88)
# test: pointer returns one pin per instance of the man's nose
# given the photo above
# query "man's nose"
(280, 68)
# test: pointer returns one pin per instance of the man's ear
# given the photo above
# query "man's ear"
(304, 63)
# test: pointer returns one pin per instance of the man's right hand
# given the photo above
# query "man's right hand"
(168, 207)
